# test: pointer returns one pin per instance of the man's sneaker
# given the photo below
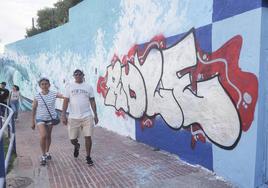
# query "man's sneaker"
(89, 161)
(76, 150)
(43, 160)
(48, 156)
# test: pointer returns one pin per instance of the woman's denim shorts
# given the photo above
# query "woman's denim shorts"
(40, 121)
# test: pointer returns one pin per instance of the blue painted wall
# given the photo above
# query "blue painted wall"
(248, 61)
(99, 29)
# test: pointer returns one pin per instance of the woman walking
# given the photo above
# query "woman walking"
(44, 115)
(14, 100)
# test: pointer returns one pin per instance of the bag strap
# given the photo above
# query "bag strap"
(46, 105)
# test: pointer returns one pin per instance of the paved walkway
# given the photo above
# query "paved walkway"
(118, 162)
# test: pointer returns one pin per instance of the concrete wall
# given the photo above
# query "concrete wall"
(183, 76)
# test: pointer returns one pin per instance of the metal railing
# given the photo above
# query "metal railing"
(9, 123)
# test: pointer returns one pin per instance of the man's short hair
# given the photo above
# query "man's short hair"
(4, 83)
(78, 71)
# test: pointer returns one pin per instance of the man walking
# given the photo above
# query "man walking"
(4, 93)
(80, 96)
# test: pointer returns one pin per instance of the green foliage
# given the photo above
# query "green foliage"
(31, 32)
(13, 155)
(49, 18)
(46, 19)
(61, 12)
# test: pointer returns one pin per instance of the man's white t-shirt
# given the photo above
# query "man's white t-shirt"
(79, 95)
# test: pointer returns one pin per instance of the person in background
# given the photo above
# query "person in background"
(43, 110)
(14, 100)
(80, 96)
(4, 94)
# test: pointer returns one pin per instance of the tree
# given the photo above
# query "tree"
(62, 10)
(49, 18)
(46, 19)
(32, 31)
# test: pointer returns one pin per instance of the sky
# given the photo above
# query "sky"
(16, 16)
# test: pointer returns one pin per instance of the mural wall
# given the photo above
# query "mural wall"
(165, 79)
(178, 75)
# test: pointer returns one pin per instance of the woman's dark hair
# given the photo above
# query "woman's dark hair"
(43, 79)
(17, 87)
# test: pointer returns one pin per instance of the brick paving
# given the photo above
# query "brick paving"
(118, 162)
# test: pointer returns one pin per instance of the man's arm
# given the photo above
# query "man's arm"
(34, 107)
(6, 95)
(94, 108)
(64, 109)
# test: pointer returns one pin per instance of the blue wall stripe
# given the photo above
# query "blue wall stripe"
(226, 8)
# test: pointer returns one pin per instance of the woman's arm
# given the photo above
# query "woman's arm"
(9, 98)
(59, 95)
(20, 98)
(34, 107)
